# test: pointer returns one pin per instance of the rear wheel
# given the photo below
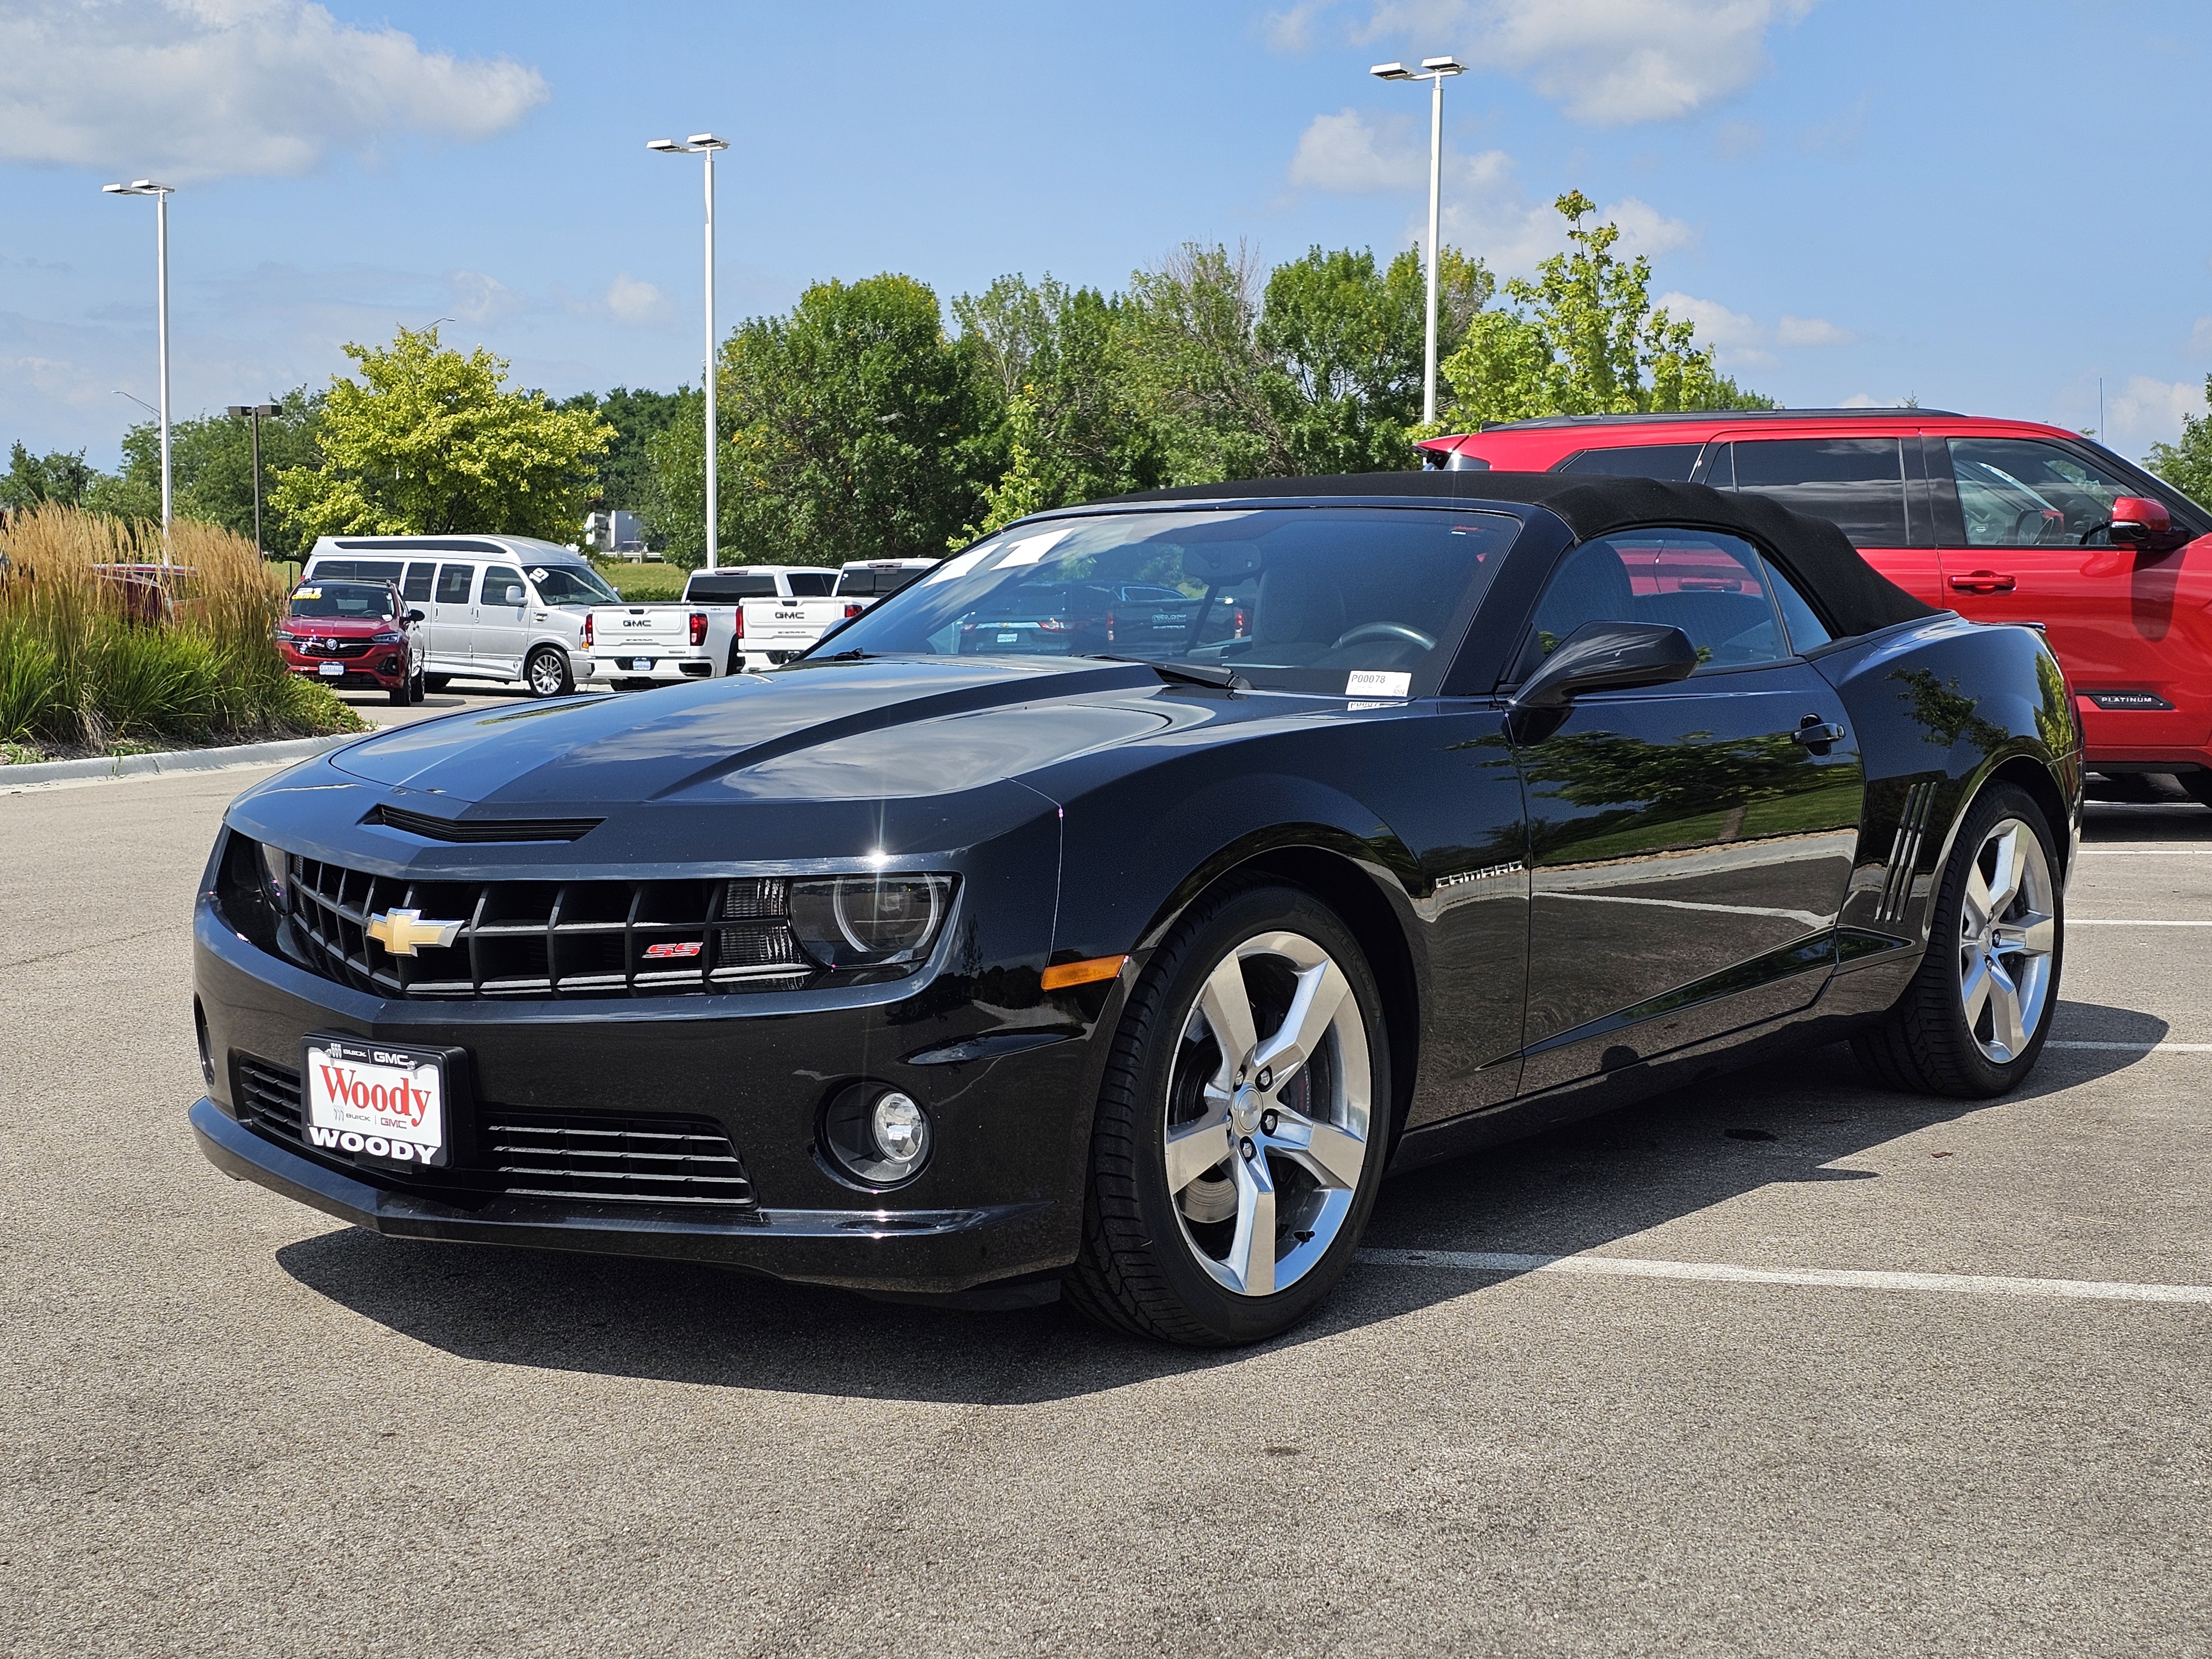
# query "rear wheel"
(1974, 1019)
(436, 682)
(547, 673)
(737, 659)
(1241, 1126)
(415, 686)
(2198, 784)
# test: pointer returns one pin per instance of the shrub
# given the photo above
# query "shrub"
(104, 642)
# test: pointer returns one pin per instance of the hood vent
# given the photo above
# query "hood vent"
(482, 830)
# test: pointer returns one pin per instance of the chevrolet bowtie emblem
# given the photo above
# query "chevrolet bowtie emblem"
(403, 932)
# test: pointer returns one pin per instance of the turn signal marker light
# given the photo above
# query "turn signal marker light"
(1060, 977)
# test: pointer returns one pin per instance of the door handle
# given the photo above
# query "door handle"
(1817, 734)
(1982, 581)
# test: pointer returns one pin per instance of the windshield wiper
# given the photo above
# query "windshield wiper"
(1189, 673)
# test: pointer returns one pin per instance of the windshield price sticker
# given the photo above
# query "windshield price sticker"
(382, 1103)
(1363, 682)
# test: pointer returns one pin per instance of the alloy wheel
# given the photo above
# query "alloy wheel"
(2007, 933)
(546, 674)
(1268, 1108)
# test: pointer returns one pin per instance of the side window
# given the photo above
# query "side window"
(1805, 628)
(1712, 586)
(1858, 484)
(453, 581)
(1671, 462)
(2016, 492)
(419, 578)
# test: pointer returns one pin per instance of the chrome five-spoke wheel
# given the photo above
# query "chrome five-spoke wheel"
(2007, 929)
(1268, 1105)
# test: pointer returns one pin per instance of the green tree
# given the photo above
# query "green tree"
(858, 429)
(1195, 368)
(58, 476)
(1583, 338)
(430, 440)
(1073, 433)
(211, 470)
(635, 417)
(2187, 465)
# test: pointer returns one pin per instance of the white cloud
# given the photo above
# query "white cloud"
(2200, 337)
(1342, 152)
(633, 300)
(1716, 323)
(2147, 411)
(1868, 400)
(1293, 30)
(193, 89)
(1645, 229)
(1811, 332)
(1609, 63)
(481, 298)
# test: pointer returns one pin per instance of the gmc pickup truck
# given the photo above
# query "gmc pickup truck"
(753, 616)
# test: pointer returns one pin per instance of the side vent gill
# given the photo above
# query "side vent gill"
(1904, 851)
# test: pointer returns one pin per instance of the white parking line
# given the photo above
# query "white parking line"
(2123, 921)
(1617, 1267)
(2140, 1047)
(2147, 851)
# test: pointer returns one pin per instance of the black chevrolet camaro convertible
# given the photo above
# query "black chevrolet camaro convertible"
(1110, 910)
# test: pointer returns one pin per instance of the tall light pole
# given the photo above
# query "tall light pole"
(161, 195)
(254, 412)
(705, 144)
(1434, 71)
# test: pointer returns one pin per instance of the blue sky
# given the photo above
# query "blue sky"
(1989, 206)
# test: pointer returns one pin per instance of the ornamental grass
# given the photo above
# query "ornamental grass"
(113, 640)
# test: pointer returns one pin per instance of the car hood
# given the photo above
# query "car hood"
(868, 731)
(343, 627)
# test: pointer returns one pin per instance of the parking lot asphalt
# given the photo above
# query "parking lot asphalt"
(231, 1424)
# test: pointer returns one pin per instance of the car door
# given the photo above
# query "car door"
(453, 618)
(1872, 487)
(500, 627)
(1689, 843)
(2033, 546)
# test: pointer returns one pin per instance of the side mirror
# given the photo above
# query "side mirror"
(414, 616)
(2139, 521)
(513, 596)
(1608, 656)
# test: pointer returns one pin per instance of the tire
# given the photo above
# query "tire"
(737, 660)
(2198, 784)
(1973, 1021)
(436, 682)
(1175, 1251)
(547, 673)
(415, 692)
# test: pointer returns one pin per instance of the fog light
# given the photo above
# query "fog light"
(877, 1136)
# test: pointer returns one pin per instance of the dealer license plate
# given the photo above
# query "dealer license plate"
(335, 670)
(376, 1100)
(641, 665)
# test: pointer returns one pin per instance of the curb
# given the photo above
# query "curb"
(102, 769)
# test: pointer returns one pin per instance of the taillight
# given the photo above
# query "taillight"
(737, 621)
(853, 610)
(1110, 628)
(1240, 621)
(587, 632)
(698, 628)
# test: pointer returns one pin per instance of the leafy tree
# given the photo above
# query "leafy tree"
(858, 429)
(1196, 368)
(1584, 339)
(1073, 433)
(431, 441)
(635, 419)
(58, 476)
(2187, 465)
(211, 470)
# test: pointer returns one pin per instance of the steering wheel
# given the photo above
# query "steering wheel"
(1382, 630)
(2096, 530)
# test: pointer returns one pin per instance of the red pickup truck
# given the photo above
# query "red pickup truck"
(2002, 521)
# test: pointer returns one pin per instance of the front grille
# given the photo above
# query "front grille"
(545, 938)
(486, 830)
(595, 1157)
(333, 647)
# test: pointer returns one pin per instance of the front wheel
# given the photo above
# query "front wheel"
(1973, 1021)
(1241, 1126)
(547, 673)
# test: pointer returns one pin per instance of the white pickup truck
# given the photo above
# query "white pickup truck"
(750, 615)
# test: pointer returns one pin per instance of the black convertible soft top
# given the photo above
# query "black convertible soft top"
(1851, 594)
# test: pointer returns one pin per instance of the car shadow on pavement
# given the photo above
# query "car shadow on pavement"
(1577, 1188)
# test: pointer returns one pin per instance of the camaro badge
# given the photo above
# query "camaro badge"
(403, 933)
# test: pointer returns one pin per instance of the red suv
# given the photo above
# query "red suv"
(356, 635)
(2002, 521)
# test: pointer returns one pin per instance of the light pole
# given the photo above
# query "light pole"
(254, 412)
(161, 195)
(1434, 71)
(705, 144)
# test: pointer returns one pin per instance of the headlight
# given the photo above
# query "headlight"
(274, 875)
(386, 639)
(869, 921)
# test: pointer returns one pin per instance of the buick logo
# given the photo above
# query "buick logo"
(403, 932)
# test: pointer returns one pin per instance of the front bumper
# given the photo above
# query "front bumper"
(877, 1249)
(383, 670)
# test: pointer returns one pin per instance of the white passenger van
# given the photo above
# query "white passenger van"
(498, 607)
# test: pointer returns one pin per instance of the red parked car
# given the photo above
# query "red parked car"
(2002, 521)
(357, 635)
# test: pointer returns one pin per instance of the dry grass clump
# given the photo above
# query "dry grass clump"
(103, 646)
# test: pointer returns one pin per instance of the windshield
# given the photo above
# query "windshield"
(1338, 600)
(563, 584)
(352, 601)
